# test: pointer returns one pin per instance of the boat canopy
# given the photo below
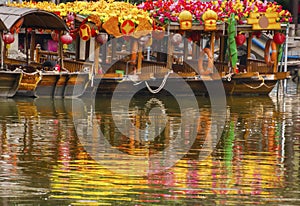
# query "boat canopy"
(30, 18)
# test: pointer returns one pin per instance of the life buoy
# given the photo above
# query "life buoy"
(210, 63)
(270, 59)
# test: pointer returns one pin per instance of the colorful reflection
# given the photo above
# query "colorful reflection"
(43, 161)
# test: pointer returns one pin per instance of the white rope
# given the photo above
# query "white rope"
(34, 73)
(261, 84)
(161, 85)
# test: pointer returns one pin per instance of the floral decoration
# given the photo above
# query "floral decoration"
(166, 11)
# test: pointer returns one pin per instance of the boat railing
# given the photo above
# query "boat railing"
(77, 66)
(256, 65)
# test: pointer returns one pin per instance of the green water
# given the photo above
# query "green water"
(72, 152)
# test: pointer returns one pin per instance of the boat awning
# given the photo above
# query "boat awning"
(30, 18)
(2, 26)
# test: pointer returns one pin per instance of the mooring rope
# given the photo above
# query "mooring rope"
(161, 85)
(261, 84)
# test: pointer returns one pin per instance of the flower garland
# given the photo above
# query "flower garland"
(166, 11)
(102, 8)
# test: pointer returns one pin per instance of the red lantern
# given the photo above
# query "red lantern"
(240, 39)
(93, 32)
(101, 38)
(85, 32)
(54, 35)
(279, 38)
(66, 38)
(8, 38)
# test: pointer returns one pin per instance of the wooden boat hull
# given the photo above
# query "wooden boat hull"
(76, 85)
(53, 85)
(9, 83)
(236, 85)
(28, 84)
(60, 85)
(46, 86)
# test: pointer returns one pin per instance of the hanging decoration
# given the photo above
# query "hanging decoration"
(85, 32)
(8, 38)
(66, 38)
(240, 39)
(101, 38)
(210, 18)
(264, 20)
(185, 20)
(127, 27)
(279, 38)
(176, 39)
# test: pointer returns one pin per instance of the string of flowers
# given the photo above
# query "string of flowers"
(166, 11)
(104, 9)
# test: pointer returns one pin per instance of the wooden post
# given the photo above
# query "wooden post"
(60, 52)
(222, 47)
(140, 59)
(32, 45)
(249, 45)
(96, 58)
(26, 46)
(195, 51)
(2, 51)
(170, 54)
(37, 53)
(185, 47)
(212, 43)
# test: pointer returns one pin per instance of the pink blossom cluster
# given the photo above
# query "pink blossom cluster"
(166, 11)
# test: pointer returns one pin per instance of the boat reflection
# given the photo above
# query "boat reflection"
(53, 148)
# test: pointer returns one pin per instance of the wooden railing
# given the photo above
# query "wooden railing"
(69, 64)
(255, 65)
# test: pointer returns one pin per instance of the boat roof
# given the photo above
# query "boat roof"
(32, 18)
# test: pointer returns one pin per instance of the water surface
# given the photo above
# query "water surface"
(52, 152)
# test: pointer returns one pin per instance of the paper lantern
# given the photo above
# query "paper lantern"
(8, 38)
(66, 38)
(279, 38)
(176, 39)
(240, 39)
(185, 20)
(101, 38)
(85, 32)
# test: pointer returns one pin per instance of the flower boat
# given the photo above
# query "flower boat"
(41, 77)
(168, 45)
(9, 80)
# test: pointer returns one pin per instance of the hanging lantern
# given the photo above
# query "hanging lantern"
(279, 38)
(55, 35)
(101, 38)
(176, 39)
(93, 32)
(240, 39)
(8, 38)
(66, 38)
(85, 32)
